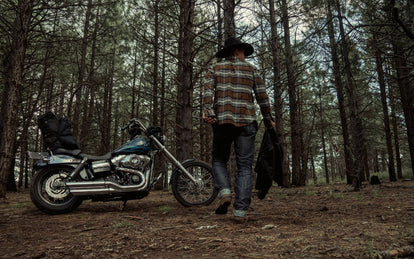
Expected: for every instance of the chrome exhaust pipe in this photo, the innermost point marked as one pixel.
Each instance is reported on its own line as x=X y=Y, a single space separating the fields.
x=102 y=188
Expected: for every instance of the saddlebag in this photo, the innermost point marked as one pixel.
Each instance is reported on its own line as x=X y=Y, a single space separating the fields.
x=56 y=132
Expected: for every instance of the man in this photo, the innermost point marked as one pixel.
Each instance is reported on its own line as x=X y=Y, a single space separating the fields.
x=228 y=105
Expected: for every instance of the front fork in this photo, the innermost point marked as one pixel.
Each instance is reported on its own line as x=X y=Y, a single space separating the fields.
x=173 y=159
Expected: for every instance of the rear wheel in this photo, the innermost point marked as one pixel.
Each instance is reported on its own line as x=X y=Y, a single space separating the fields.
x=189 y=193
x=49 y=191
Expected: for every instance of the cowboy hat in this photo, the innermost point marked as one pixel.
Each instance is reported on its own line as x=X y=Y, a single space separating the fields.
x=231 y=44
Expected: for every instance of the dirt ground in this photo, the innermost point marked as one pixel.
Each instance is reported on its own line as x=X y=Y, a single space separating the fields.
x=311 y=222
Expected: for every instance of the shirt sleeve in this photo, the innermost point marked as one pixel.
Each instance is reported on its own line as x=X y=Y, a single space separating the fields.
x=208 y=94
x=261 y=96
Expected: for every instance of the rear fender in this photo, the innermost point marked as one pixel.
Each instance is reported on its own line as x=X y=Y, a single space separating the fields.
x=184 y=163
x=57 y=160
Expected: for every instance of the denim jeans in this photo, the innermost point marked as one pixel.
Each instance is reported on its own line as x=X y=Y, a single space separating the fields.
x=244 y=140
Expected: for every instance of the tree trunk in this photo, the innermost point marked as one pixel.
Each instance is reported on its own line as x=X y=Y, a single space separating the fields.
x=381 y=81
x=116 y=123
x=89 y=100
x=46 y=65
x=23 y=151
x=134 y=93
x=404 y=79
x=332 y=163
x=305 y=142
x=12 y=91
x=314 y=177
x=161 y=159
x=219 y=25
x=340 y=94
x=11 y=180
x=184 y=118
x=277 y=90
x=356 y=123
x=159 y=166
x=155 y=112
x=395 y=133
x=407 y=98
x=81 y=74
x=229 y=25
x=298 y=178
x=107 y=108
x=322 y=123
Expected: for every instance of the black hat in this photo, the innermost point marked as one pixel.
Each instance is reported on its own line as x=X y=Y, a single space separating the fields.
x=231 y=44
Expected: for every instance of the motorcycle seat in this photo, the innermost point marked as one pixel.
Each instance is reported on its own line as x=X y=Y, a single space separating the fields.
x=77 y=153
x=62 y=151
x=96 y=158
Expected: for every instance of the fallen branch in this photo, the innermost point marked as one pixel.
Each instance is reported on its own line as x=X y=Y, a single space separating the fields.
x=405 y=251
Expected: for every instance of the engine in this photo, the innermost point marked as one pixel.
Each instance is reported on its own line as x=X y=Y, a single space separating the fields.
x=131 y=167
x=135 y=162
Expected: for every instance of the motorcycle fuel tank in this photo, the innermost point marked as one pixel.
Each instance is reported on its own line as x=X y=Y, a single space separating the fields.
x=134 y=146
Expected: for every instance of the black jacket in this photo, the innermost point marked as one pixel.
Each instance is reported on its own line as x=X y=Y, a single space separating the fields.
x=56 y=132
x=269 y=163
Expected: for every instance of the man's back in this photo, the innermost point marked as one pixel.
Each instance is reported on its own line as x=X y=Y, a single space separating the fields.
x=231 y=84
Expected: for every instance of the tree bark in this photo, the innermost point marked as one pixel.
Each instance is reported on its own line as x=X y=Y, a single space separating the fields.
x=229 y=25
x=12 y=91
x=395 y=133
x=89 y=101
x=356 y=123
x=340 y=94
x=107 y=108
x=161 y=159
x=322 y=125
x=219 y=25
x=184 y=148
x=277 y=91
x=406 y=93
x=332 y=163
x=314 y=177
x=134 y=93
x=155 y=112
x=404 y=74
x=298 y=178
x=381 y=81
x=81 y=74
x=11 y=180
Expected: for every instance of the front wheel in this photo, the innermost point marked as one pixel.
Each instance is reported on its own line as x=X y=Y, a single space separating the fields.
x=49 y=192
x=189 y=193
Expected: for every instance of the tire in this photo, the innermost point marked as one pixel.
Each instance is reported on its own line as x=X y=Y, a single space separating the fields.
x=194 y=194
x=49 y=192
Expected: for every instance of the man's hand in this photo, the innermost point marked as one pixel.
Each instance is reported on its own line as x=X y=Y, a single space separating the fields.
x=209 y=119
x=270 y=124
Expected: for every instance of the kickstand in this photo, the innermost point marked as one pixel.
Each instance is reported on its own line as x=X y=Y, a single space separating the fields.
x=124 y=205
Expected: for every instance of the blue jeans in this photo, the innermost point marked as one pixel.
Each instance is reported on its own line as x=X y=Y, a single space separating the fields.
x=244 y=140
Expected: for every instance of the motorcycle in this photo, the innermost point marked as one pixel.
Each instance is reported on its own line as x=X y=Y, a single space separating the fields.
x=64 y=178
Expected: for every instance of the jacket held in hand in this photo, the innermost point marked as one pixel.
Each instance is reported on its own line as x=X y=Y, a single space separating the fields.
x=269 y=163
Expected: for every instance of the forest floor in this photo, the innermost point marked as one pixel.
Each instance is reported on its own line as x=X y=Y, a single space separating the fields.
x=329 y=221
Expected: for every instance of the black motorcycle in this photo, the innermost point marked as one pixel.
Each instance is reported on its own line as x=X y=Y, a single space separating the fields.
x=65 y=177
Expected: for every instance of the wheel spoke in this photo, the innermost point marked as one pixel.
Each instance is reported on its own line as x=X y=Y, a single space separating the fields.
x=53 y=189
x=195 y=193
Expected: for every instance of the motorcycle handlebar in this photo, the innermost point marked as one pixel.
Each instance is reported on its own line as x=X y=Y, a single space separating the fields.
x=134 y=122
x=136 y=127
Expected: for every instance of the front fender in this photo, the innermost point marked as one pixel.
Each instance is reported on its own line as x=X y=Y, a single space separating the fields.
x=183 y=163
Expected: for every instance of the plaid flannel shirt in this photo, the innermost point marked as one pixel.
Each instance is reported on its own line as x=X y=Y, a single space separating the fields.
x=228 y=93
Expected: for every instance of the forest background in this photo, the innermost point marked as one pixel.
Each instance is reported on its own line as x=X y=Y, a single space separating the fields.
x=339 y=74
